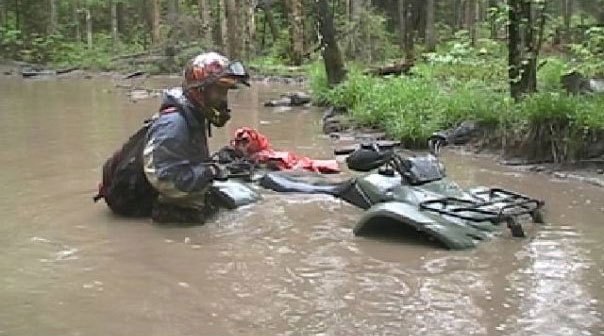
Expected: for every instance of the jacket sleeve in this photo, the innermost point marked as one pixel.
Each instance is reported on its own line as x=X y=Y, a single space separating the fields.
x=167 y=165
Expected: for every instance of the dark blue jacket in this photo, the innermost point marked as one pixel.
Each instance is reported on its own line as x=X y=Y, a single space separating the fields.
x=177 y=148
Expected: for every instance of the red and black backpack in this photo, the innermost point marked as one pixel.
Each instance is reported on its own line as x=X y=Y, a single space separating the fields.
x=125 y=187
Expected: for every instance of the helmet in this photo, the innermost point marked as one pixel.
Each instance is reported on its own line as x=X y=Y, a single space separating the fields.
x=212 y=70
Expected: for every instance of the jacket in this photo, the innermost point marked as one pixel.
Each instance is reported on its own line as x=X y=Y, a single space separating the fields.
x=176 y=150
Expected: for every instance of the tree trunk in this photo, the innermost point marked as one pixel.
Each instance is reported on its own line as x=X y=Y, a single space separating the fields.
x=88 y=28
x=470 y=20
x=296 y=31
x=492 y=22
x=53 y=24
x=568 y=14
x=269 y=18
x=529 y=62
x=172 y=10
x=514 y=48
x=114 y=27
x=419 y=18
x=233 y=34
x=247 y=24
x=2 y=13
x=430 y=33
x=76 y=21
x=406 y=29
x=334 y=66
x=122 y=15
x=203 y=7
x=459 y=13
x=155 y=19
x=402 y=19
x=251 y=27
x=222 y=18
x=17 y=16
x=522 y=48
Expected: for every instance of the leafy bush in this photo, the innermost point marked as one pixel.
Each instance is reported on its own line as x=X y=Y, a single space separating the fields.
x=590 y=54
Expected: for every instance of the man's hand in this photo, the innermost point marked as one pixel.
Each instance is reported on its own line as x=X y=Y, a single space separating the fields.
x=219 y=173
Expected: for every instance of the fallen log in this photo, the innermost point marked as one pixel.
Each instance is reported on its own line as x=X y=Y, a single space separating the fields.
x=394 y=69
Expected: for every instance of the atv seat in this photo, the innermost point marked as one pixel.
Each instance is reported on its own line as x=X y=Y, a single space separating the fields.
x=313 y=183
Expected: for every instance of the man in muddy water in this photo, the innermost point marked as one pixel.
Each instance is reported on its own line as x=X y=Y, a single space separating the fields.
x=176 y=155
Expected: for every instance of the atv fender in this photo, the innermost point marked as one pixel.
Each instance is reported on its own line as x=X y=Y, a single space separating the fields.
x=452 y=234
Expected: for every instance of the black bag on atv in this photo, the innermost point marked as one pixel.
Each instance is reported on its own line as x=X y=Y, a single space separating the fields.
x=125 y=187
x=418 y=170
x=365 y=160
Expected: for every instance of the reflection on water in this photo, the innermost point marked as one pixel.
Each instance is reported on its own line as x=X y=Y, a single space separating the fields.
x=287 y=266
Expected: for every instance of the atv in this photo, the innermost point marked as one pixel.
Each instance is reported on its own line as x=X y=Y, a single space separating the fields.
x=407 y=191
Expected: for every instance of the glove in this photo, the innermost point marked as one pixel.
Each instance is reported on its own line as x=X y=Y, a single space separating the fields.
x=218 y=173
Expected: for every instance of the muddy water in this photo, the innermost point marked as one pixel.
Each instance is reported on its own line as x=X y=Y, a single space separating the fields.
x=287 y=266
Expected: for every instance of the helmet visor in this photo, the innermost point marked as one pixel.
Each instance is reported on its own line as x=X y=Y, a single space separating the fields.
x=237 y=70
x=234 y=73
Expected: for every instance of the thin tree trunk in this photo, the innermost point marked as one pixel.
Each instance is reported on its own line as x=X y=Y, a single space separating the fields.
x=2 y=13
x=53 y=24
x=76 y=21
x=172 y=10
x=88 y=28
x=334 y=66
x=492 y=22
x=114 y=27
x=419 y=16
x=568 y=14
x=470 y=20
x=430 y=33
x=122 y=25
x=233 y=47
x=514 y=48
x=155 y=19
x=529 y=64
x=222 y=18
x=268 y=16
x=17 y=16
x=204 y=15
x=406 y=28
x=296 y=31
x=459 y=13
x=356 y=7
x=402 y=19
x=251 y=27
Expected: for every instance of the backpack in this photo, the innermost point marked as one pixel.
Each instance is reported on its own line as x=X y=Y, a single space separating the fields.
x=125 y=187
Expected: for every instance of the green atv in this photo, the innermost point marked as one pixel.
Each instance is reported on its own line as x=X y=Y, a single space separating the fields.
x=410 y=192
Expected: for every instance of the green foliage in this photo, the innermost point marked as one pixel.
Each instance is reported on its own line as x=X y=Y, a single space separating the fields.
x=548 y=77
x=58 y=50
x=590 y=54
x=412 y=108
x=459 y=60
x=367 y=38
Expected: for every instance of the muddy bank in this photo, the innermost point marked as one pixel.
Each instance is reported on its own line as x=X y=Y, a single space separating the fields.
x=473 y=138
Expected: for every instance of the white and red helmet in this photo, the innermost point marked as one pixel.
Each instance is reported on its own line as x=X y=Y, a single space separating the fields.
x=213 y=69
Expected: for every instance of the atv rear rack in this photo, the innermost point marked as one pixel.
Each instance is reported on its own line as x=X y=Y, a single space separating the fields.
x=495 y=205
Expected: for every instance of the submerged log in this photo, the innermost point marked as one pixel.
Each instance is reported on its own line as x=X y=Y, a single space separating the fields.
x=33 y=73
x=290 y=99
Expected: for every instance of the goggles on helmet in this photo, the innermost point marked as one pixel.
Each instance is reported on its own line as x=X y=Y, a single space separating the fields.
x=232 y=75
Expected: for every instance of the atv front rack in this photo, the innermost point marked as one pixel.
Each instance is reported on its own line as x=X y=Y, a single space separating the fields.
x=495 y=205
